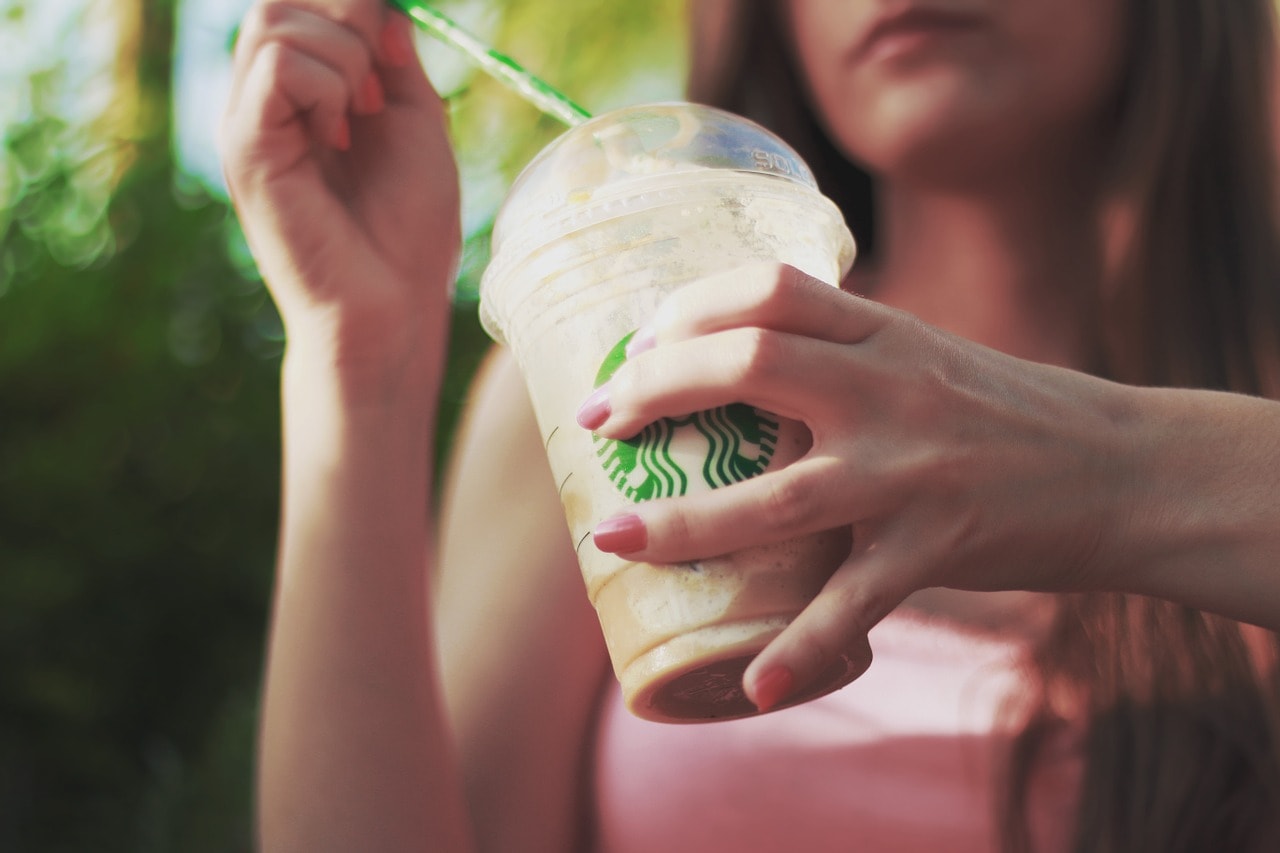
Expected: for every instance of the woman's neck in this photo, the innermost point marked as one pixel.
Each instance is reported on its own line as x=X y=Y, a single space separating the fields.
x=1005 y=269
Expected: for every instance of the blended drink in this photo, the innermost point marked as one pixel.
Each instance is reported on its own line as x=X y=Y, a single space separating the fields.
x=607 y=221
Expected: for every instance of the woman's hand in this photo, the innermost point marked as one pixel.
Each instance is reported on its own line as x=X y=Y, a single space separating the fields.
x=956 y=466
x=336 y=153
x=335 y=150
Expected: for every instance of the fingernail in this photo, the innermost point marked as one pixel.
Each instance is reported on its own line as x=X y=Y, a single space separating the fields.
x=621 y=534
x=773 y=687
x=342 y=135
x=595 y=410
x=643 y=339
x=372 y=99
x=397 y=41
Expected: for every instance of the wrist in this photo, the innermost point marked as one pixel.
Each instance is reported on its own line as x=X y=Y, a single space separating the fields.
x=394 y=360
x=1113 y=448
x=358 y=465
x=1203 y=523
x=375 y=413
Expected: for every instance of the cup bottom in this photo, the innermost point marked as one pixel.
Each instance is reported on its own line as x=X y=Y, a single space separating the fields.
x=676 y=682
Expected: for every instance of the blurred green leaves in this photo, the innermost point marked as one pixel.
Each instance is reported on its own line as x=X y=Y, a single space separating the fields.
x=139 y=433
x=65 y=115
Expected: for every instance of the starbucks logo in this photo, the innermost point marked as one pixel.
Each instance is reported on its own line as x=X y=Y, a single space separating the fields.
x=715 y=447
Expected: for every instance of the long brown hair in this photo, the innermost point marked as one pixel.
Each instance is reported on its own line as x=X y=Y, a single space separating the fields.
x=1180 y=709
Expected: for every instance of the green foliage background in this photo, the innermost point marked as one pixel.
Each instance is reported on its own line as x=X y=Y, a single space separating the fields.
x=139 y=449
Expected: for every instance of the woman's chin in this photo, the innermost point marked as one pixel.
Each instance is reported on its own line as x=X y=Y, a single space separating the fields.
x=939 y=148
x=929 y=122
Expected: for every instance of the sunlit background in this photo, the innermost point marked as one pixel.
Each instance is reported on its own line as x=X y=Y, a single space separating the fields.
x=139 y=358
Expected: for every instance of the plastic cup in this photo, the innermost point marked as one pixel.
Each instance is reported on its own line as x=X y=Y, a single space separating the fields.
x=605 y=222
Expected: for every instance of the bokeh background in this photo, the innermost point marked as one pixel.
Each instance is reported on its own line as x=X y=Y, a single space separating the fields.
x=139 y=362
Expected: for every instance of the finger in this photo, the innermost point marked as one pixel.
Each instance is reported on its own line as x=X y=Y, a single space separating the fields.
x=810 y=495
x=345 y=43
x=826 y=645
x=289 y=100
x=772 y=370
x=767 y=295
x=402 y=74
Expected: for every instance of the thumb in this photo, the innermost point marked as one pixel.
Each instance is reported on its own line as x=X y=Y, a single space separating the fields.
x=826 y=646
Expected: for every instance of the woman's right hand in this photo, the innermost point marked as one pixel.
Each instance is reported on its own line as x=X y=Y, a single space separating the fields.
x=336 y=153
x=337 y=156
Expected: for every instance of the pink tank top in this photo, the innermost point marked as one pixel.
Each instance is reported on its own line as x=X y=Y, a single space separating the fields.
x=903 y=759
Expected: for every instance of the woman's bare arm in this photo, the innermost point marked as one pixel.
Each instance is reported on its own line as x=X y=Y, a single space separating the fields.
x=337 y=157
x=355 y=751
x=1204 y=526
x=522 y=653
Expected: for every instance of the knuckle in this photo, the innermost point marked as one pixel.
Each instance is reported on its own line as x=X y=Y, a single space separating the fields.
x=862 y=606
x=676 y=532
x=851 y=610
x=631 y=393
x=352 y=16
x=756 y=356
x=271 y=25
x=791 y=504
x=359 y=19
x=258 y=28
x=891 y=329
x=674 y=313
x=277 y=59
x=835 y=630
x=771 y=286
x=895 y=332
x=780 y=281
x=628 y=381
x=269 y=22
x=809 y=647
x=269 y=16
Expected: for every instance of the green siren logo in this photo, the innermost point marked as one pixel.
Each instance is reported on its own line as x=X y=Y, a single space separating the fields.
x=719 y=446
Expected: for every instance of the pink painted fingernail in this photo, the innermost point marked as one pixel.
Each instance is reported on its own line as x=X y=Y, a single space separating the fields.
x=342 y=135
x=595 y=410
x=773 y=687
x=643 y=339
x=397 y=42
x=621 y=534
x=372 y=99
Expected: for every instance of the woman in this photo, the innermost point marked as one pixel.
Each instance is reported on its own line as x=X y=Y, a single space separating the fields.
x=1062 y=192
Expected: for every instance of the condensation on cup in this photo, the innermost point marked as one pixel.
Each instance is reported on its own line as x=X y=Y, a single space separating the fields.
x=604 y=223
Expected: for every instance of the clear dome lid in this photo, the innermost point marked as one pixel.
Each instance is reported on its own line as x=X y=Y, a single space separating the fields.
x=616 y=152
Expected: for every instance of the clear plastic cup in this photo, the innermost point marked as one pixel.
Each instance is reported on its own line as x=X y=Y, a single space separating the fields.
x=604 y=223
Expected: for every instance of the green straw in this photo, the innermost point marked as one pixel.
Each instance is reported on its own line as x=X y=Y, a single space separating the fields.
x=503 y=68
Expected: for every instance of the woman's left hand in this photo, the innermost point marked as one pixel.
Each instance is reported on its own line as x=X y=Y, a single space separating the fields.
x=956 y=465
